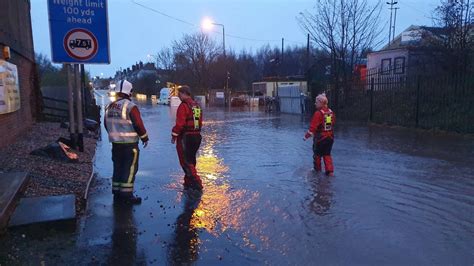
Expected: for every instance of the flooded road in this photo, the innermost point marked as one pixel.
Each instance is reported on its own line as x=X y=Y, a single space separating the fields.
x=398 y=197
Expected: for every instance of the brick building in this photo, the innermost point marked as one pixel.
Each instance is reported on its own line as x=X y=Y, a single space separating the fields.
x=16 y=33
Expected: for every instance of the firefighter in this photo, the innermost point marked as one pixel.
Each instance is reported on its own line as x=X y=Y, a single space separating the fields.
x=322 y=131
x=187 y=136
x=124 y=124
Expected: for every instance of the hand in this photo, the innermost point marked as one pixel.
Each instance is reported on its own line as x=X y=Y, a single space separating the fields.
x=307 y=136
x=173 y=140
x=145 y=143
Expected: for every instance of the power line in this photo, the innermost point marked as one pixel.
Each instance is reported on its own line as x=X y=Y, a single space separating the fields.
x=195 y=26
x=424 y=12
x=164 y=14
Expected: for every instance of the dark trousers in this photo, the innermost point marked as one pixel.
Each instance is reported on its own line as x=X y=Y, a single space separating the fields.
x=125 y=158
x=187 y=146
x=322 y=149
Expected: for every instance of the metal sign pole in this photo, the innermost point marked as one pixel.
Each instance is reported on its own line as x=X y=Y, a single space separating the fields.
x=78 y=94
x=72 y=126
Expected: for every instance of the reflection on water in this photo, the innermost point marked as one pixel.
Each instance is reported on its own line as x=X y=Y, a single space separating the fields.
x=322 y=194
x=124 y=236
x=220 y=207
x=184 y=248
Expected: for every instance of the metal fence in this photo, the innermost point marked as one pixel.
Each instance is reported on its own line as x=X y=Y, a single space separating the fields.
x=441 y=101
x=290 y=100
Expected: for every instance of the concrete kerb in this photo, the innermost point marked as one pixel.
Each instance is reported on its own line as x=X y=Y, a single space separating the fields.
x=89 y=182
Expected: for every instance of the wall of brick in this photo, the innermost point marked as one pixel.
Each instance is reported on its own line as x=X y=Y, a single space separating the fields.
x=16 y=32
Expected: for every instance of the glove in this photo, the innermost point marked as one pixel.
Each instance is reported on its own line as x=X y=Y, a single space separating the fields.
x=173 y=139
x=307 y=135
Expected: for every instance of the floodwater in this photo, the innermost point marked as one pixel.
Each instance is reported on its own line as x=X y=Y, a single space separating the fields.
x=398 y=197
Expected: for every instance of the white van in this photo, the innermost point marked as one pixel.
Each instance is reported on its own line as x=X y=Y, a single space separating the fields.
x=164 y=96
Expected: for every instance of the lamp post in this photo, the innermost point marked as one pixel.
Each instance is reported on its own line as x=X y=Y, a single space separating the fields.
x=207 y=24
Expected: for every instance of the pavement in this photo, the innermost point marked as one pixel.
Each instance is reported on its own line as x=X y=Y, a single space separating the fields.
x=12 y=185
x=55 y=211
x=398 y=197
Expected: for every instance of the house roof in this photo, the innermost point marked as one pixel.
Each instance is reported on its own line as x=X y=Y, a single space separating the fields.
x=414 y=37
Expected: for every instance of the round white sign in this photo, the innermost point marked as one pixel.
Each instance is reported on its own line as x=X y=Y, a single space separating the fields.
x=80 y=44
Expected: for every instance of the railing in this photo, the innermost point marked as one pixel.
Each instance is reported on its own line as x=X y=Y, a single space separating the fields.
x=432 y=101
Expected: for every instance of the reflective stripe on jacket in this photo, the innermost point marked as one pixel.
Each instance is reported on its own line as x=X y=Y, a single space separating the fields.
x=118 y=122
x=322 y=124
x=328 y=120
x=188 y=118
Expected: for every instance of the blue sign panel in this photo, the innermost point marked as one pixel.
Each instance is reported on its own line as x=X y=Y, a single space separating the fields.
x=79 y=31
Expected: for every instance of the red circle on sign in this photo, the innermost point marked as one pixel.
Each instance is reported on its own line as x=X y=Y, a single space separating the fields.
x=93 y=40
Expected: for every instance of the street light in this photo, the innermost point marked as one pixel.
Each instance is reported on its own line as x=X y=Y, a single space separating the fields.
x=207 y=24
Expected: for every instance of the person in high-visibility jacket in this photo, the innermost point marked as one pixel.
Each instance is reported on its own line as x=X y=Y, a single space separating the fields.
x=125 y=127
x=322 y=130
x=187 y=136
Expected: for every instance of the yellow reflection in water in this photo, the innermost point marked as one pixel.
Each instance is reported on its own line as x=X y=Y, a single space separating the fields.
x=221 y=207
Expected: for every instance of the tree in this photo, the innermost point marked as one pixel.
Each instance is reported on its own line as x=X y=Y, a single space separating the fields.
x=165 y=59
x=456 y=40
x=193 y=55
x=49 y=74
x=344 y=29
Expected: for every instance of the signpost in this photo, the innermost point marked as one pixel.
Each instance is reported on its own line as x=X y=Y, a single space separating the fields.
x=79 y=31
x=79 y=35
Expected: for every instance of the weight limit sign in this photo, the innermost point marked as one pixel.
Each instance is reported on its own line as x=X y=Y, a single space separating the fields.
x=81 y=44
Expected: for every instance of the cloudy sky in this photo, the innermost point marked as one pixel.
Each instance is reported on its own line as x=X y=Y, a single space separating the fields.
x=136 y=31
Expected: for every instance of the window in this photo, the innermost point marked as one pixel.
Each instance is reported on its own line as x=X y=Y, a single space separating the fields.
x=399 y=65
x=386 y=66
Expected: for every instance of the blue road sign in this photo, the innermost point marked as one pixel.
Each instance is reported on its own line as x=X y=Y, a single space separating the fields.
x=79 y=31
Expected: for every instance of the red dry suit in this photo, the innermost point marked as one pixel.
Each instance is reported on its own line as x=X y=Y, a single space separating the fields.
x=187 y=132
x=322 y=129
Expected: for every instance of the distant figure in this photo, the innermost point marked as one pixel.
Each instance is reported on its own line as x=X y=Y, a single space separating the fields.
x=303 y=103
x=187 y=136
x=124 y=124
x=321 y=129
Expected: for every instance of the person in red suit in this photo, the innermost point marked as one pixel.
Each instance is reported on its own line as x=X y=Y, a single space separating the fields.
x=322 y=131
x=187 y=136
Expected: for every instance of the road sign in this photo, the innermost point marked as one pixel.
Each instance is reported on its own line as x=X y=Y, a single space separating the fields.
x=79 y=31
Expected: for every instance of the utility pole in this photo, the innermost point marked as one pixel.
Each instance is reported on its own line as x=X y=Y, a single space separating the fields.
x=394 y=22
x=307 y=54
x=282 y=52
x=391 y=8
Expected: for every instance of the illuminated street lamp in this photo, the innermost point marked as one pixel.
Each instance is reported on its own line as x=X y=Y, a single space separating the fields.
x=207 y=24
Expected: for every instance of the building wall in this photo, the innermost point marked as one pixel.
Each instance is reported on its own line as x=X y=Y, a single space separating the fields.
x=271 y=86
x=374 y=60
x=16 y=32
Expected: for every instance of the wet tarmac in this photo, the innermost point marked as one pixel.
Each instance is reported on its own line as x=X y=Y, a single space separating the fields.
x=398 y=197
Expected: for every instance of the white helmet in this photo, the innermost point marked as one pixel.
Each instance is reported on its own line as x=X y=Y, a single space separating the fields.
x=124 y=87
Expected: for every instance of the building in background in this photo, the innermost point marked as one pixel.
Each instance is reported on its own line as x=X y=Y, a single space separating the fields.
x=415 y=47
x=268 y=87
x=16 y=35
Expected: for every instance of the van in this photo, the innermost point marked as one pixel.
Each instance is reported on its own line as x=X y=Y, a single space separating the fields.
x=164 y=96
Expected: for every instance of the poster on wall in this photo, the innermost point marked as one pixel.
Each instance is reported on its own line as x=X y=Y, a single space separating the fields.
x=9 y=88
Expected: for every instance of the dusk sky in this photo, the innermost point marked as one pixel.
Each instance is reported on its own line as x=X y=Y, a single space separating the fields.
x=136 y=31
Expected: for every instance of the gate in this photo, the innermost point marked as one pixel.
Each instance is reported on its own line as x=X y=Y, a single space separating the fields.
x=291 y=100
